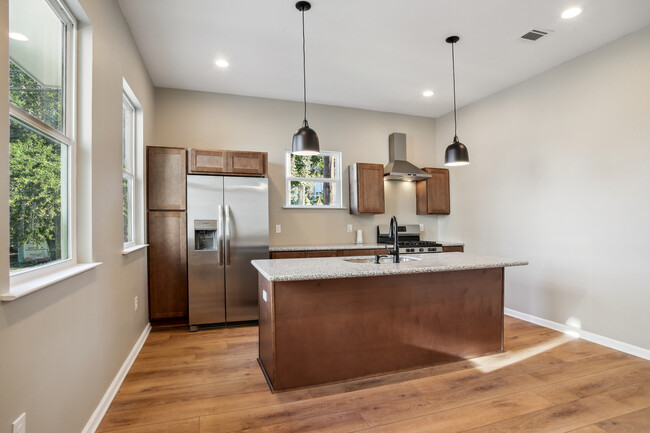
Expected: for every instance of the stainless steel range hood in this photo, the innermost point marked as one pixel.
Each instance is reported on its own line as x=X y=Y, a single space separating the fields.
x=399 y=168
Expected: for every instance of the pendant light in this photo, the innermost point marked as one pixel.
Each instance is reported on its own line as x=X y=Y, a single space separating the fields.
x=456 y=153
x=305 y=140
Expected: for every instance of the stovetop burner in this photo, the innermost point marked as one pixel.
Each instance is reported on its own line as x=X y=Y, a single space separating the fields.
x=419 y=244
x=409 y=240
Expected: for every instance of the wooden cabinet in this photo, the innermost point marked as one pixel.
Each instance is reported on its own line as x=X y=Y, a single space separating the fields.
x=348 y=253
x=288 y=255
x=208 y=161
x=366 y=188
x=228 y=162
x=453 y=249
x=167 y=265
x=432 y=195
x=166 y=178
x=250 y=163
x=166 y=232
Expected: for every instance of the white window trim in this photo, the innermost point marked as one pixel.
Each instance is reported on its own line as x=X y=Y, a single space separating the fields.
x=137 y=165
x=67 y=137
x=129 y=171
x=24 y=282
x=337 y=180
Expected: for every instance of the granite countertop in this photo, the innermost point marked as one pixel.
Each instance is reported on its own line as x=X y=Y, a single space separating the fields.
x=338 y=267
x=276 y=249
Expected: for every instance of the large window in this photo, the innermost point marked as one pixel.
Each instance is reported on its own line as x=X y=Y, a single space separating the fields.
x=313 y=181
x=41 y=83
x=128 y=167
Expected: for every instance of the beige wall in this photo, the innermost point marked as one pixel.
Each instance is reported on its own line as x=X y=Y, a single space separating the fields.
x=560 y=176
x=218 y=121
x=61 y=347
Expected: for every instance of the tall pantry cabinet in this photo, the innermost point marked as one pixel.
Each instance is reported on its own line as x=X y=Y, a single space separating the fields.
x=166 y=222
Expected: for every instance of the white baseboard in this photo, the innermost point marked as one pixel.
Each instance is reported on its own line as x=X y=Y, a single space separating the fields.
x=100 y=411
x=585 y=335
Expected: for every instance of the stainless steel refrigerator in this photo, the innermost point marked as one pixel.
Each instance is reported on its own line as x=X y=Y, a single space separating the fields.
x=227 y=227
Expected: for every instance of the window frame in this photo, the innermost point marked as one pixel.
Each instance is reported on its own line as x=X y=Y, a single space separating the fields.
x=129 y=173
x=337 y=179
x=66 y=137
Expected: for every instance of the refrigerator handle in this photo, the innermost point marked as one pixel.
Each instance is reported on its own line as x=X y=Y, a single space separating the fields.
x=220 y=236
x=227 y=248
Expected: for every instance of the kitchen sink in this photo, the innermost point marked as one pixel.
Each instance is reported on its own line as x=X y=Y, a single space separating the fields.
x=381 y=259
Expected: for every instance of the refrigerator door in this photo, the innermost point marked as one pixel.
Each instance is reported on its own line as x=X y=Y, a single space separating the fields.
x=205 y=237
x=246 y=209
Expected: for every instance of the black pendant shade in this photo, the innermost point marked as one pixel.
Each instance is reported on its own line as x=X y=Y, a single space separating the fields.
x=305 y=140
x=456 y=153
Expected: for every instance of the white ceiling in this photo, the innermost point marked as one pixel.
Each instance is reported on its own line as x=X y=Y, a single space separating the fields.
x=371 y=54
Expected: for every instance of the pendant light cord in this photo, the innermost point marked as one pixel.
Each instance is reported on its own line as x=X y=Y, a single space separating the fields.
x=453 y=68
x=304 y=69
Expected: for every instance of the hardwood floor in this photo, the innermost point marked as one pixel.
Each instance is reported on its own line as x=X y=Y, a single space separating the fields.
x=209 y=381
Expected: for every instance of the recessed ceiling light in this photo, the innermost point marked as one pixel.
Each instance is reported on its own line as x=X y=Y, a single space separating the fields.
x=571 y=13
x=222 y=63
x=427 y=93
x=18 y=37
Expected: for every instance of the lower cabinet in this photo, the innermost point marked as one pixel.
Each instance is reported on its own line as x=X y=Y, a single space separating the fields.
x=167 y=264
x=453 y=249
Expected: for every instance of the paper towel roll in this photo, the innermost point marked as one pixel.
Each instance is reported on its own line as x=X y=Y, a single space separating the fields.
x=359 y=238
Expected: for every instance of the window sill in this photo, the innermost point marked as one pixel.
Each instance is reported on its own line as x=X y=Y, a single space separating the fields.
x=315 y=207
x=33 y=285
x=132 y=248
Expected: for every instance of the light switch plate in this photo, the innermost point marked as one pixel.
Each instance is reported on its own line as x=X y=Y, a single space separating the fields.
x=278 y=228
x=421 y=227
x=349 y=228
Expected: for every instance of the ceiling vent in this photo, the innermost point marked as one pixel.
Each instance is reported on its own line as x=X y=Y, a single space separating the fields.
x=535 y=35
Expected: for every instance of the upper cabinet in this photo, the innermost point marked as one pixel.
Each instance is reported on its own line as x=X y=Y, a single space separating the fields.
x=432 y=195
x=166 y=177
x=228 y=162
x=366 y=188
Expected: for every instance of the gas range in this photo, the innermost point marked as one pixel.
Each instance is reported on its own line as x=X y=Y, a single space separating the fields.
x=409 y=239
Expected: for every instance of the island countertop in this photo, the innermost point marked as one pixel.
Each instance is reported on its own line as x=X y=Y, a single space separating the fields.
x=338 y=267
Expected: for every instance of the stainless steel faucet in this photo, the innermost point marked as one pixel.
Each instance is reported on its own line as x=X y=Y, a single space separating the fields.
x=392 y=233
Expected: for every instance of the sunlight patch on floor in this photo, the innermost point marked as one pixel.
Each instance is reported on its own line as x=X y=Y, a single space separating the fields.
x=487 y=364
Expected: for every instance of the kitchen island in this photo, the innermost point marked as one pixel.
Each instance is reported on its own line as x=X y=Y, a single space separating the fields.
x=325 y=320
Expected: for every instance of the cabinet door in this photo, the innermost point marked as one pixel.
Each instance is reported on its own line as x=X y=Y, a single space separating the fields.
x=250 y=163
x=349 y=253
x=166 y=177
x=321 y=253
x=167 y=265
x=432 y=195
x=208 y=161
x=366 y=188
x=453 y=249
x=288 y=255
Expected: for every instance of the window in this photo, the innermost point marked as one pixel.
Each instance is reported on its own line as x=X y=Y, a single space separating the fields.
x=313 y=181
x=128 y=176
x=41 y=84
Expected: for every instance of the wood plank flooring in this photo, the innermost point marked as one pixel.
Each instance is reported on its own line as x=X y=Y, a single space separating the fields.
x=209 y=381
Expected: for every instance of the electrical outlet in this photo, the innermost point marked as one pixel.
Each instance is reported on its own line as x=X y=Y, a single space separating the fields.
x=20 y=425
x=421 y=227
x=349 y=228
x=136 y=305
x=278 y=228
